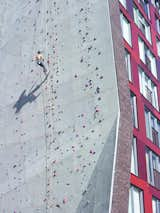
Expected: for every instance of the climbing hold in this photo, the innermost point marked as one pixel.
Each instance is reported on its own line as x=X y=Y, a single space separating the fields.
x=89 y=48
x=64 y=200
x=98 y=90
x=81 y=60
x=83 y=193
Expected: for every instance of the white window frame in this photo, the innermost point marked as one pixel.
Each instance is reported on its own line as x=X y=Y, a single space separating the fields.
x=156 y=5
x=128 y=64
x=158 y=46
x=132 y=206
x=145 y=3
x=146 y=55
x=158 y=25
x=142 y=23
x=134 y=110
x=155 y=205
x=141 y=49
x=126 y=29
x=134 y=161
x=123 y=2
x=151 y=165
x=146 y=84
x=153 y=122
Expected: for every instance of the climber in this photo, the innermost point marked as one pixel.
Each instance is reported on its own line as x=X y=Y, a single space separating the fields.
x=40 y=61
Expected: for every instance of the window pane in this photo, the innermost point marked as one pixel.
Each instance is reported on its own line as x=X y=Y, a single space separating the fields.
x=153 y=65
x=158 y=25
x=134 y=166
x=123 y=2
x=148 y=33
x=141 y=50
x=134 y=110
x=145 y=5
x=142 y=23
x=158 y=47
x=147 y=57
x=154 y=206
x=149 y=169
x=153 y=168
x=152 y=127
x=130 y=202
x=126 y=30
x=158 y=206
x=128 y=64
x=148 y=88
x=135 y=200
x=147 y=121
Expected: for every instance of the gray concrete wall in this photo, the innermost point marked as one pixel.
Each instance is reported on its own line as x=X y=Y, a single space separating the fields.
x=57 y=133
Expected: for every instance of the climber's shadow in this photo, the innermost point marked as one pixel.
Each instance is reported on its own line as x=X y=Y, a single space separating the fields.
x=25 y=98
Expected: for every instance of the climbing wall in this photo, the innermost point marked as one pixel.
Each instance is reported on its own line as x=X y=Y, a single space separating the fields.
x=57 y=132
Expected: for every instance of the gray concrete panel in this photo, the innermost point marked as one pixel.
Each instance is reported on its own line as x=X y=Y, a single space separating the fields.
x=96 y=197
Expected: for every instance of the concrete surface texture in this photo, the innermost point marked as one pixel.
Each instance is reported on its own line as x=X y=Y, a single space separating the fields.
x=57 y=132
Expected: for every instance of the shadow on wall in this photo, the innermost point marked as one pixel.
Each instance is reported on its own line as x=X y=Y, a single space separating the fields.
x=27 y=98
x=97 y=195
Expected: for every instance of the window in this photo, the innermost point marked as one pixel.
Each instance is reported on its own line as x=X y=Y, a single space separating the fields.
x=152 y=127
x=128 y=64
x=126 y=29
x=148 y=88
x=142 y=23
x=156 y=4
x=158 y=25
x=155 y=205
x=135 y=200
x=147 y=57
x=145 y=5
x=158 y=46
x=134 y=164
x=153 y=168
x=134 y=110
x=123 y=2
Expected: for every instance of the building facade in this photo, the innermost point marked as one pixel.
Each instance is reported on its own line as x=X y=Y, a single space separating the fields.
x=140 y=28
x=86 y=138
x=65 y=139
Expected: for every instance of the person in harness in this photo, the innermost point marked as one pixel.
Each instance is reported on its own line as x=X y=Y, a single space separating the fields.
x=40 y=61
